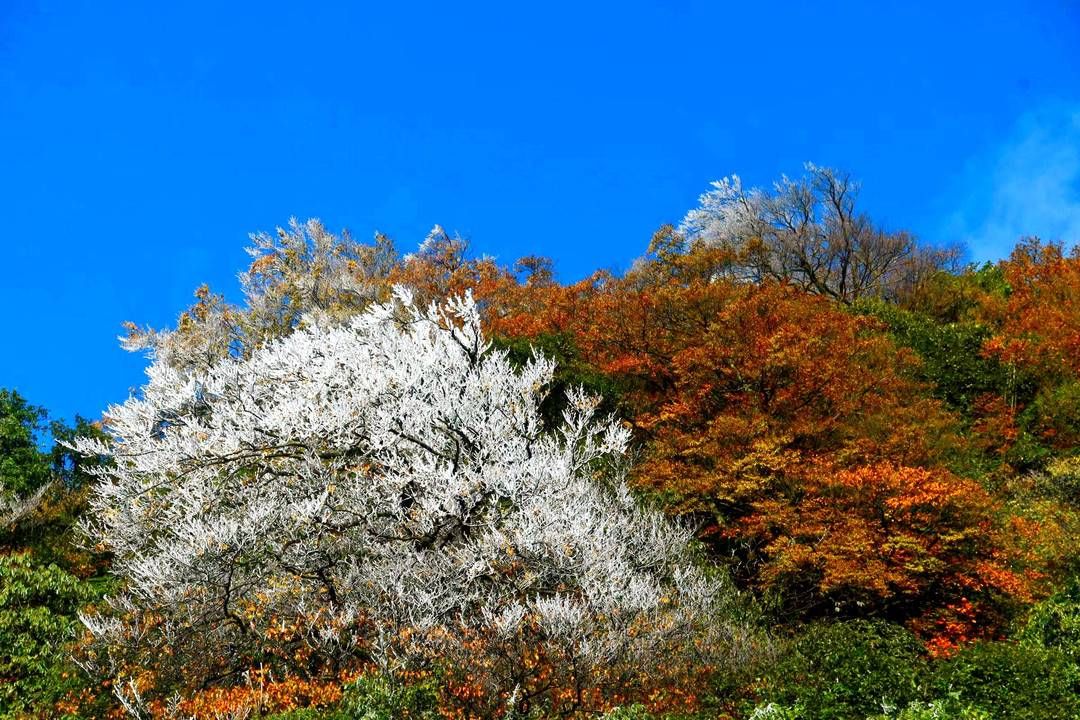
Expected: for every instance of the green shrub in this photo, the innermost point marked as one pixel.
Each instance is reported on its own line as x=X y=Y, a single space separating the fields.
x=304 y=714
x=38 y=606
x=1061 y=480
x=630 y=712
x=1055 y=622
x=1027 y=453
x=950 y=709
x=375 y=697
x=378 y=698
x=772 y=711
x=1054 y=415
x=1016 y=681
x=848 y=670
x=639 y=712
x=937 y=710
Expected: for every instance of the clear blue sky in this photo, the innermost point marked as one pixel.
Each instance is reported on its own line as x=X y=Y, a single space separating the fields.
x=140 y=142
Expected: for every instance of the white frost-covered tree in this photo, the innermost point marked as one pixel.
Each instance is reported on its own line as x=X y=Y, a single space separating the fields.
x=807 y=231
x=386 y=486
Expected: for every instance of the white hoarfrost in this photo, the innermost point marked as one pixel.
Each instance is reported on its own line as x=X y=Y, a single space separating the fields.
x=725 y=215
x=388 y=473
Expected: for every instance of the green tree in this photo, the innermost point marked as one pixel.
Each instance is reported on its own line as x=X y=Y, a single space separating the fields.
x=23 y=466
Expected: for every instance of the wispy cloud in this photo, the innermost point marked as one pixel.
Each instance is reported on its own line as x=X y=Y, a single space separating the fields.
x=1027 y=185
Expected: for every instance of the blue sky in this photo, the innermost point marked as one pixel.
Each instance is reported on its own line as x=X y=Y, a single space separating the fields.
x=141 y=142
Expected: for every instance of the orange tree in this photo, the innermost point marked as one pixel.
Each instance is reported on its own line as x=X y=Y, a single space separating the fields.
x=1040 y=322
x=797 y=434
x=1038 y=332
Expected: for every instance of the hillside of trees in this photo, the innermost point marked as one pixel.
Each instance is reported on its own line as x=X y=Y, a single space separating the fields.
x=790 y=465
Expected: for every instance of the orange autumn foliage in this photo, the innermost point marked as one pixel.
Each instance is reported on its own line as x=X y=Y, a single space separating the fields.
x=260 y=694
x=473 y=677
x=441 y=268
x=794 y=431
x=906 y=540
x=1039 y=324
x=776 y=379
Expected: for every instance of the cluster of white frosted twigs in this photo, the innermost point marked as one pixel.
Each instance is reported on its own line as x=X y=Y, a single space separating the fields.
x=14 y=507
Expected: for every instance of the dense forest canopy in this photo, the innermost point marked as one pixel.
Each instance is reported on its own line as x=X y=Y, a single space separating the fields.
x=790 y=464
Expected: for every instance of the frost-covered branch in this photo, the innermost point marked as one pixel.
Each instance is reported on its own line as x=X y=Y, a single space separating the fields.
x=14 y=507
